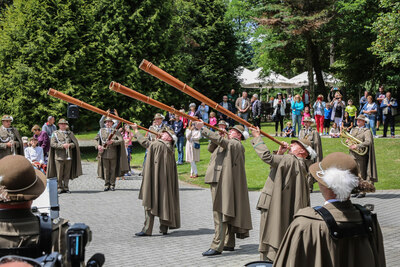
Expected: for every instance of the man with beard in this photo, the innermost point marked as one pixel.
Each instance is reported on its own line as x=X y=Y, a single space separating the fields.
x=226 y=175
x=159 y=190
x=284 y=192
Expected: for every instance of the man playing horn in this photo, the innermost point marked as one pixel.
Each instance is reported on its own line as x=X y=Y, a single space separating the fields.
x=64 y=157
x=366 y=163
x=10 y=140
x=226 y=175
x=312 y=135
x=338 y=233
x=160 y=190
x=113 y=161
x=284 y=192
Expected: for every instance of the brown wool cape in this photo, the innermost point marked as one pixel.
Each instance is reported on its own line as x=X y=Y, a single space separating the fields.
x=228 y=170
x=122 y=160
x=315 y=140
x=284 y=193
x=76 y=167
x=367 y=161
x=307 y=241
x=159 y=191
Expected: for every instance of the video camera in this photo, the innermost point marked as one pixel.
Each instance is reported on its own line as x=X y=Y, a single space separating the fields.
x=78 y=237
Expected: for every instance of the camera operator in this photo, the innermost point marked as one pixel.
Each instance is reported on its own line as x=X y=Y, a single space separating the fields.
x=22 y=232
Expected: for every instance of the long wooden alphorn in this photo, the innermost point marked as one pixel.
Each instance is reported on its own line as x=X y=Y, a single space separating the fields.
x=117 y=87
x=164 y=76
x=84 y=105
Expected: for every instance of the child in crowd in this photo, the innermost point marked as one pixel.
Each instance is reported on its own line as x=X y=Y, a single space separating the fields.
x=347 y=123
x=334 y=132
x=306 y=113
x=288 y=131
x=351 y=109
x=213 y=119
x=327 y=118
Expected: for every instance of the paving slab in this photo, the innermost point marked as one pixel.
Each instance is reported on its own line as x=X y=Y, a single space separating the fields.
x=114 y=218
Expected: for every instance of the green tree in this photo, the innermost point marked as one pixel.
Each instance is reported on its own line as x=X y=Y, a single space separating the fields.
x=297 y=23
x=209 y=52
x=78 y=47
x=387 y=29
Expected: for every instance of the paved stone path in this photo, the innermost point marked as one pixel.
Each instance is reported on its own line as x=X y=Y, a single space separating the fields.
x=114 y=217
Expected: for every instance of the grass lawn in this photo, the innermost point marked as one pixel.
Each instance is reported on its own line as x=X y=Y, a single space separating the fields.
x=387 y=154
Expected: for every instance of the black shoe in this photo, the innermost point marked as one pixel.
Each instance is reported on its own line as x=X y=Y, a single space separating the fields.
x=229 y=249
x=112 y=188
x=361 y=195
x=211 y=252
x=106 y=188
x=60 y=191
x=141 y=234
x=354 y=195
x=67 y=191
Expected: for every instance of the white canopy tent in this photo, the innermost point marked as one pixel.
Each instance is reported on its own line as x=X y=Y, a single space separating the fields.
x=253 y=79
x=302 y=79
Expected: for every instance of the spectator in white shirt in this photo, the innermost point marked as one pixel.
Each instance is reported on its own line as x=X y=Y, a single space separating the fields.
x=34 y=153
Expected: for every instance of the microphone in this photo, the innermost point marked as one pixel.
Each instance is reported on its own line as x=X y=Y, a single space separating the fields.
x=97 y=260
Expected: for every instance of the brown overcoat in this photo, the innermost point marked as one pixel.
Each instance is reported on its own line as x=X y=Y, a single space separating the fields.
x=366 y=163
x=284 y=193
x=313 y=136
x=76 y=167
x=5 y=135
x=160 y=186
x=227 y=168
x=307 y=241
x=122 y=160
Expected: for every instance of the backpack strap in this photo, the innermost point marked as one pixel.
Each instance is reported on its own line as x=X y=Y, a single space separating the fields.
x=46 y=228
x=345 y=230
x=334 y=230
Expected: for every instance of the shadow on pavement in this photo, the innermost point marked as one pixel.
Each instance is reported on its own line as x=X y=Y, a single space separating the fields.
x=191 y=189
x=247 y=249
x=383 y=196
x=200 y=231
x=101 y=191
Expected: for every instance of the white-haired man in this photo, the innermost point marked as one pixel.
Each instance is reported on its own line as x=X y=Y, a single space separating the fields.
x=159 y=190
x=338 y=233
x=285 y=191
x=256 y=110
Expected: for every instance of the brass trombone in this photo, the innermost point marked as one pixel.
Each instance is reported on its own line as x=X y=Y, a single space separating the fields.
x=351 y=140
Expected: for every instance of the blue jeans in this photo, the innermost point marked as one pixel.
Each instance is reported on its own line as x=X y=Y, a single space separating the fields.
x=179 y=146
x=371 y=124
x=244 y=116
x=296 y=119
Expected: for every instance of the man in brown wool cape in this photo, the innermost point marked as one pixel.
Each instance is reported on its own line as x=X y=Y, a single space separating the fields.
x=339 y=233
x=226 y=175
x=285 y=191
x=159 y=190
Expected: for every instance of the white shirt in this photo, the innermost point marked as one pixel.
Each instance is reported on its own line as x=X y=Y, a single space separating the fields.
x=34 y=154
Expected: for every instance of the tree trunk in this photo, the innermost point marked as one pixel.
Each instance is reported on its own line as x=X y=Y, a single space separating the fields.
x=320 y=88
x=332 y=52
x=310 y=67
